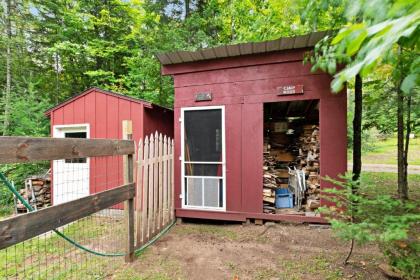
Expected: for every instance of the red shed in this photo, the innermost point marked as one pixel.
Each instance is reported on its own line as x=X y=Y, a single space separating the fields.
x=255 y=130
x=98 y=113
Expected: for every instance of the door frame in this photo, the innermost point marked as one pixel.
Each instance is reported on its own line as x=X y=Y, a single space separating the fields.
x=223 y=162
x=58 y=131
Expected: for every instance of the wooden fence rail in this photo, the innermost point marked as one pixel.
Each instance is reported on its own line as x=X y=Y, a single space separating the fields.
x=24 y=227
x=155 y=186
x=26 y=149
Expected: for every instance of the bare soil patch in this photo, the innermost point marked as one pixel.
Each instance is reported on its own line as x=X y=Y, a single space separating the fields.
x=236 y=251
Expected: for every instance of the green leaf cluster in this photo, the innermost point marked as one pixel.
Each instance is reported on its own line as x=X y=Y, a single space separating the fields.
x=378 y=28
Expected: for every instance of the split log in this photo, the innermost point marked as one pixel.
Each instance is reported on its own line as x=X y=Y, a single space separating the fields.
x=312 y=204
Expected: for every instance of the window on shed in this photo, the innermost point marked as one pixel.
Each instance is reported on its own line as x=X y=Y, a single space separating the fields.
x=75 y=135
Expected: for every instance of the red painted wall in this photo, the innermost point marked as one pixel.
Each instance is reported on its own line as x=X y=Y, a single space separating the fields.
x=243 y=84
x=159 y=119
x=105 y=113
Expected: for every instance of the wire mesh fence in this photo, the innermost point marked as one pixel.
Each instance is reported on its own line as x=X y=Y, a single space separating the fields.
x=49 y=256
x=77 y=216
x=93 y=246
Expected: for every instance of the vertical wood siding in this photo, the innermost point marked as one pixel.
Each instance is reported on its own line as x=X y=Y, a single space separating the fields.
x=243 y=85
x=105 y=113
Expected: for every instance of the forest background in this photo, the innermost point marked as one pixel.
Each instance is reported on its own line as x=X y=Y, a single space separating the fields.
x=53 y=49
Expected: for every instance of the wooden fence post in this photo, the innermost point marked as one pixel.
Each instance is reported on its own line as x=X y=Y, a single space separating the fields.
x=160 y=159
x=151 y=176
x=156 y=184
x=165 y=181
x=171 y=187
x=140 y=194
x=128 y=204
x=145 y=204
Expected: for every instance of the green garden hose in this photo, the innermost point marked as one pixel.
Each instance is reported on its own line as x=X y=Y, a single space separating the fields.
x=74 y=243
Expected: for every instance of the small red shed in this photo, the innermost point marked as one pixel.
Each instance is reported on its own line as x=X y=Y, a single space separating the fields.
x=98 y=113
x=255 y=131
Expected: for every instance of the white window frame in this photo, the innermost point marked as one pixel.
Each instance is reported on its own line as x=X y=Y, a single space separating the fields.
x=59 y=130
x=183 y=162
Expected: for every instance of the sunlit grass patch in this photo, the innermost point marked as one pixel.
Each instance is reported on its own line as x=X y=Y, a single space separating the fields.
x=385 y=152
x=384 y=183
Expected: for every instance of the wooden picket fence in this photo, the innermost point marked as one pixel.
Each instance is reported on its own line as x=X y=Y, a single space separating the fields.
x=155 y=187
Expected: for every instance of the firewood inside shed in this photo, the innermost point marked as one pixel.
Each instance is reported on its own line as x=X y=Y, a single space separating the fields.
x=291 y=142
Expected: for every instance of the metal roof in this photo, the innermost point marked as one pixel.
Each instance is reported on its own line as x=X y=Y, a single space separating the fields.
x=108 y=92
x=284 y=43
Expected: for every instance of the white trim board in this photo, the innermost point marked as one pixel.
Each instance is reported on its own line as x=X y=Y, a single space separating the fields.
x=183 y=162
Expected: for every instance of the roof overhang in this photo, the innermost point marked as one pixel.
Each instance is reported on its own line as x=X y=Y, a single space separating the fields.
x=284 y=43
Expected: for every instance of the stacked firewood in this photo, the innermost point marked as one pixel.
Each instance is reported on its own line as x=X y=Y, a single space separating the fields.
x=37 y=192
x=276 y=161
x=309 y=161
x=300 y=150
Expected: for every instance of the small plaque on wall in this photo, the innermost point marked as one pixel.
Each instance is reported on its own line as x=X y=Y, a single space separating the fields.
x=203 y=96
x=290 y=89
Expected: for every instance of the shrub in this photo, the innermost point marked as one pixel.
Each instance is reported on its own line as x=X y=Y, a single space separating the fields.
x=383 y=220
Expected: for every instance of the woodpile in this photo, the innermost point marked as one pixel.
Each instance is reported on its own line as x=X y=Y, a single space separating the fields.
x=309 y=161
x=276 y=162
x=296 y=147
x=37 y=191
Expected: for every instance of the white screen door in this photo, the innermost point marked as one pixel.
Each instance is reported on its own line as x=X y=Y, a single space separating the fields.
x=203 y=158
x=70 y=176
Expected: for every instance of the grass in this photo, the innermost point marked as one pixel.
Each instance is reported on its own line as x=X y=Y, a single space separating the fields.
x=288 y=269
x=212 y=230
x=149 y=266
x=385 y=152
x=374 y=183
x=49 y=256
x=5 y=211
x=320 y=265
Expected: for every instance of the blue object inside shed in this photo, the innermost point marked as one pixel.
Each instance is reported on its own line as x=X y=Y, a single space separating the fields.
x=284 y=198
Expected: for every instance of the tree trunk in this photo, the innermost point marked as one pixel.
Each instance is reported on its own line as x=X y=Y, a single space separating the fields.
x=57 y=75
x=200 y=6
x=187 y=8
x=357 y=146
x=400 y=145
x=8 y=92
x=404 y=187
x=357 y=128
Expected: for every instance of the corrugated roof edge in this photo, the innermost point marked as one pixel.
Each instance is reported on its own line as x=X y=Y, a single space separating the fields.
x=147 y=104
x=283 y=43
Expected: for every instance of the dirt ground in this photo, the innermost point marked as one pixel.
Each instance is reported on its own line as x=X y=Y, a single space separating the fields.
x=234 y=251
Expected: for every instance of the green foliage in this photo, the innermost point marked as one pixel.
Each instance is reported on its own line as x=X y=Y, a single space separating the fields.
x=372 y=40
x=366 y=35
x=60 y=48
x=381 y=219
x=26 y=118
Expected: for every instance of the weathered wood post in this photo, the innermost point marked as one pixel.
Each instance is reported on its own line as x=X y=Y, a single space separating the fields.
x=156 y=184
x=172 y=182
x=146 y=200
x=128 y=204
x=139 y=194
x=160 y=190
